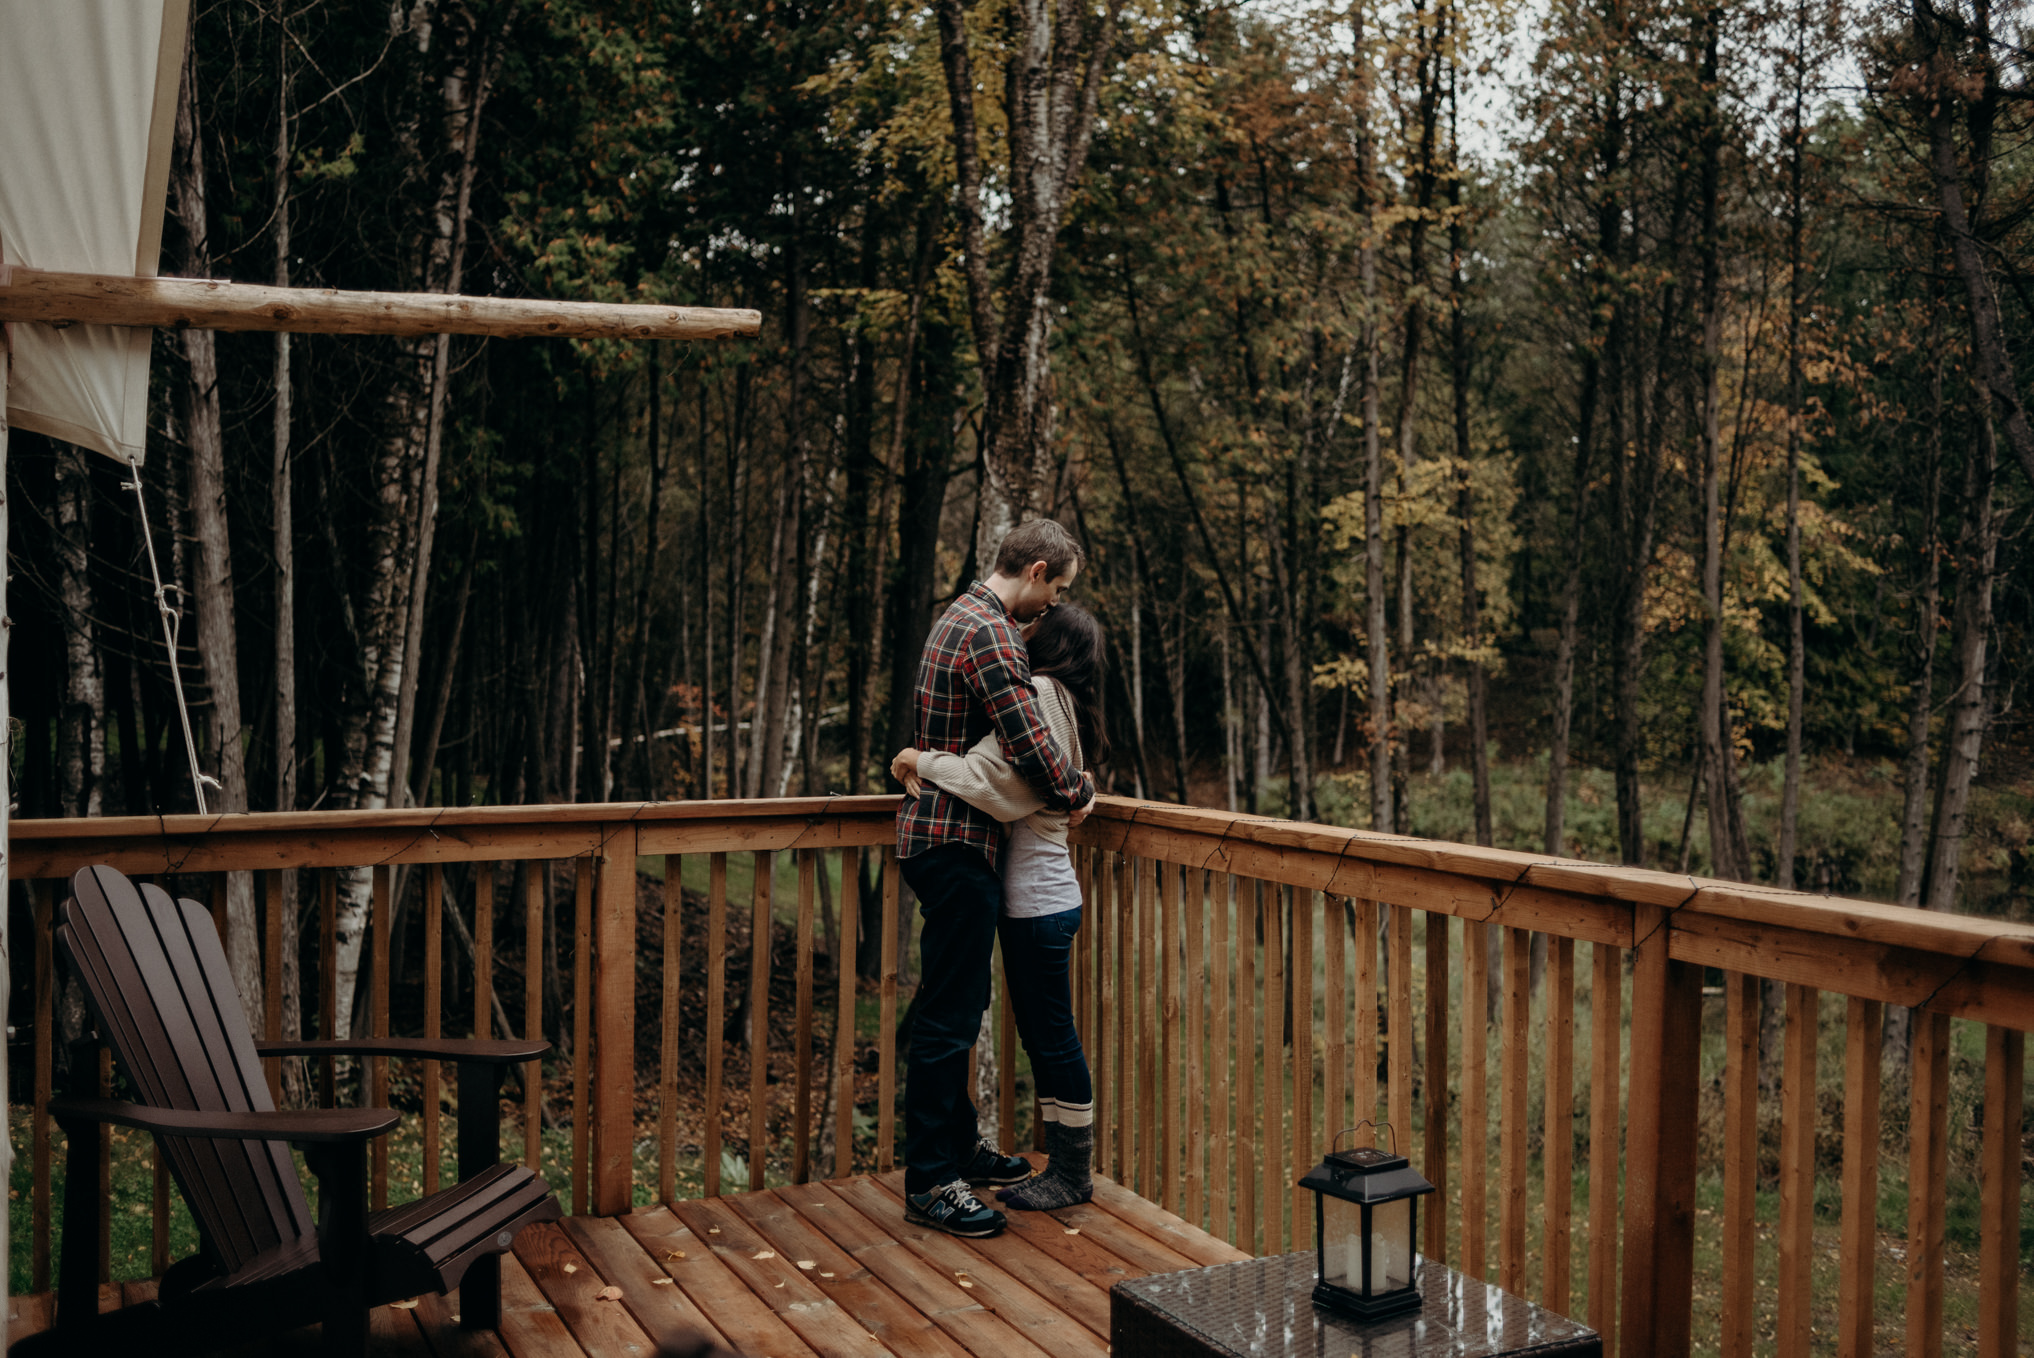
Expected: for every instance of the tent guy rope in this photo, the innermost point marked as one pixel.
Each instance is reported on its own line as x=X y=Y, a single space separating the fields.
x=172 y=624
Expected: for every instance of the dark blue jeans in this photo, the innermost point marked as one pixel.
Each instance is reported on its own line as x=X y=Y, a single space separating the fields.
x=960 y=897
x=1037 y=955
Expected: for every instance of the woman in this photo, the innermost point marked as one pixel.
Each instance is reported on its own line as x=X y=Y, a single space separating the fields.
x=1041 y=895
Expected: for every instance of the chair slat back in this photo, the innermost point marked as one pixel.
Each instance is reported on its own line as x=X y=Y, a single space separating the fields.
x=160 y=988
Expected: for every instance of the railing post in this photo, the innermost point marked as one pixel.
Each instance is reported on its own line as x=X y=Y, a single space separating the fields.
x=1657 y=1315
x=614 y=1051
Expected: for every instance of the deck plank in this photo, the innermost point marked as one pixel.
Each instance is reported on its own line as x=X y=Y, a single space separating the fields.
x=666 y=1314
x=530 y=1326
x=748 y=1324
x=1138 y=1252
x=877 y=1286
x=1026 y=1286
x=810 y=1225
x=1148 y=1217
x=850 y=1314
x=438 y=1319
x=1059 y=1235
x=393 y=1330
x=1026 y=1310
x=570 y=1283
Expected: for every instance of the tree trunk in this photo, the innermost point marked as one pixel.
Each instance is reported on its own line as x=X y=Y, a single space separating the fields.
x=1790 y=793
x=281 y=490
x=218 y=638
x=1992 y=360
x=81 y=728
x=1058 y=58
x=1976 y=552
x=1379 y=654
x=464 y=98
x=1914 y=762
x=1465 y=502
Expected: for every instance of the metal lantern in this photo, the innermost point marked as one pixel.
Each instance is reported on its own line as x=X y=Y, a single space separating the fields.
x=1366 y=1206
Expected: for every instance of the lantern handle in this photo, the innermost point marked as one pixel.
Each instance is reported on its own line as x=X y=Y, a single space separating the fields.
x=1335 y=1145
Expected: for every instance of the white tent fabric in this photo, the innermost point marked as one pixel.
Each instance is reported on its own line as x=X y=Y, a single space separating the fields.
x=88 y=95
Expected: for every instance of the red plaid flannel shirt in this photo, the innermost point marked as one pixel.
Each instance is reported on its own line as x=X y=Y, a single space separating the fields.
x=976 y=675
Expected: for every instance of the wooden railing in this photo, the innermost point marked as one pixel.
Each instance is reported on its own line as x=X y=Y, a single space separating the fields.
x=1241 y=984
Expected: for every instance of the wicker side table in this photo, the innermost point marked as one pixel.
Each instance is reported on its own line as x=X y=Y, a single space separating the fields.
x=1264 y=1307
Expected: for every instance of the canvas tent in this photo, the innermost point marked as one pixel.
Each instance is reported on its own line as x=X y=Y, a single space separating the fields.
x=88 y=92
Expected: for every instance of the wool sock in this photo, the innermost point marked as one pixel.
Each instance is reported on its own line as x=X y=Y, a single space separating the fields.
x=1068 y=1177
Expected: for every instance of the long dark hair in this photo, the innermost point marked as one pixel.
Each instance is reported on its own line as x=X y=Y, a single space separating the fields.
x=1067 y=645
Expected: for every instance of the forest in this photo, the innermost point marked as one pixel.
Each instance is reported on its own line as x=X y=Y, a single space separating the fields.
x=1594 y=428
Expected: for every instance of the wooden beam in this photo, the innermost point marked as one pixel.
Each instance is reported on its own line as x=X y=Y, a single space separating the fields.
x=62 y=299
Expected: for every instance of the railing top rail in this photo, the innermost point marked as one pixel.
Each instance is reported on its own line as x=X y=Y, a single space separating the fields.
x=294 y=839
x=1536 y=890
x=1903 y=956
x=422 y=817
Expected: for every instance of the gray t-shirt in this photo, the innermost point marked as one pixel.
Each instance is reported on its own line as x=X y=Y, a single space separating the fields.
x=1038 y=875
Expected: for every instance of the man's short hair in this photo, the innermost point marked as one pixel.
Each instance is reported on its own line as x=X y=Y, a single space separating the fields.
x=1044 y=540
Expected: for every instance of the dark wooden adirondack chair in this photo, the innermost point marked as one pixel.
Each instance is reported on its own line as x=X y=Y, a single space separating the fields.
x=162 y=998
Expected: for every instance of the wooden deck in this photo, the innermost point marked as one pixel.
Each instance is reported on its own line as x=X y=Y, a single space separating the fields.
x=809 y=1272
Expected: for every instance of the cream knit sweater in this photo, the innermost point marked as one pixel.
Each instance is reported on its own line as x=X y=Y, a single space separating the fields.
x=984 y=779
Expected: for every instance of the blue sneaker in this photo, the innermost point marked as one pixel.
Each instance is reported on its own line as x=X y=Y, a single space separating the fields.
x=952 y=1208
x=989 y=1169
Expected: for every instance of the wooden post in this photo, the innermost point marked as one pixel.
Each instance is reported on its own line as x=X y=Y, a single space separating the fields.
x=1306 y=1151
x=801 y=1122
x=716 y=1019
x=434 y=995
x=886 y=1070
x=1864 y=1035
x=614 y=1038
x=1560 y=1117
x=1927 y=1182
x=1511 y=1122
x=667 y=1055
x=762 y=941
x=1740 y=1160
x=1797 y=1170
x=1606 y=1019
x=582 y=1033
x=1435 y=1168
x=1221 y=970
x=1475 y=1096
x=1659 y=1203
x=534 y=873
x=271 y=966
x=1999 y=1175
x=1243 y=894
x=43 y=897
x=382 y=906
x=844 y=1019
x=328 y=978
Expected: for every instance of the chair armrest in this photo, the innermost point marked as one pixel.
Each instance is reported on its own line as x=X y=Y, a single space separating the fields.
x=312 y=1125
x=498 y=1052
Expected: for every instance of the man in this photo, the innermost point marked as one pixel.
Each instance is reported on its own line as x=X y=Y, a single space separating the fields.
x=975 y=677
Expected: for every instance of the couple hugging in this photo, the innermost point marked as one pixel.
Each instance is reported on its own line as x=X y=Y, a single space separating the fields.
x=1007 y=720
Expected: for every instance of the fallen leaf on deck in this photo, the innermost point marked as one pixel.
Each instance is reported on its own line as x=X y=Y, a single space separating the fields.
x=826 y=1275
x=713 y=1230
x=1073 y=1230
x=455 y=1320
x=409 y=1305
x=965 y=1283
x=674 y=1254
x=571 y=1268
x=660 y=1282
x=765 y=1254
x=608 y=1294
